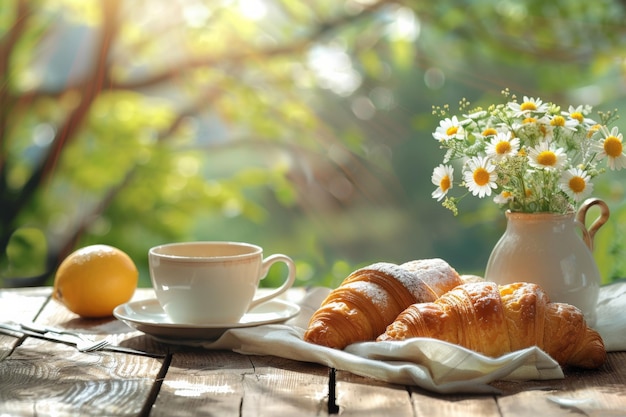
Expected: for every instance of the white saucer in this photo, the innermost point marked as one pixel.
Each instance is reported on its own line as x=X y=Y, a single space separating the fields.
x=148 y=316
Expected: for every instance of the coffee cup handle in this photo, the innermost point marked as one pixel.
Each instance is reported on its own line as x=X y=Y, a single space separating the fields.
x=265 y=267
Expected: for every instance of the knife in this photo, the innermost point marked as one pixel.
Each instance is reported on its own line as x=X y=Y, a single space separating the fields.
x=61 y=336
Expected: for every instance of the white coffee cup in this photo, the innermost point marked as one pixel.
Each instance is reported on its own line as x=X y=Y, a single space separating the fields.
x=212 y=283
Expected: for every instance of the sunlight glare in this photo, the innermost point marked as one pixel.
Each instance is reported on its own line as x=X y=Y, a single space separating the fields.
x=253 y=9
x=333 y=69
x=196 y=14
x=186 y=389
x=404 y=25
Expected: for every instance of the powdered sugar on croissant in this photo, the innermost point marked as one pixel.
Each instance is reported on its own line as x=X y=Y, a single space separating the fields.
x=496 y=320
x=370 y=298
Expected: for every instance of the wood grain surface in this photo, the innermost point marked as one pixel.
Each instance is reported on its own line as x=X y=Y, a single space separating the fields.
x=45 y=378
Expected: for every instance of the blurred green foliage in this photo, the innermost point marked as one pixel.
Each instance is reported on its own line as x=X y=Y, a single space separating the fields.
x=304 y=127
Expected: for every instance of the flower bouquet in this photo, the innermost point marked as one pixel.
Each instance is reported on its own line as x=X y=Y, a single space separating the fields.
x=532 y=156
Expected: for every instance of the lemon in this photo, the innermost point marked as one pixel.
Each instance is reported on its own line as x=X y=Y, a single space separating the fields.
x=95 y=279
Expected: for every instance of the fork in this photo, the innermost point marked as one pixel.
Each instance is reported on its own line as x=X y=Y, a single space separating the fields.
x=83 y=343
x=41 y=333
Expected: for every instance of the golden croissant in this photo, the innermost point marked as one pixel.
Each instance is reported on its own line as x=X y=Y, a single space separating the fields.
x=370 y=298
x=495 y=320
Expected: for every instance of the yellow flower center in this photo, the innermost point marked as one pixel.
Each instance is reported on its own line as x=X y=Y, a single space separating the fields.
x=522 y=152
x=577 y=184
x=490 y=131
x=507 y=194
x=529 y=120
x=481 y=176
x=502 y=148
x=546 y=158
x=613 y=146
x=578 y=116
x=452 y=130
x=445 y=183
x=557 y=121
x=528 y=105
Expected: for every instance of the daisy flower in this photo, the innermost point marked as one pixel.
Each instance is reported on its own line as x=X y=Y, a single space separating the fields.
x=480 y=176
x=532 y=127
x=442 y=178
x=449 y=129
x=502 y=145
x=545 y=156
x=528 y=155
x=503 y=198
x=528 y=107
x=575 y=183
x=559 y=121
x=578 y=114
x=612 y=147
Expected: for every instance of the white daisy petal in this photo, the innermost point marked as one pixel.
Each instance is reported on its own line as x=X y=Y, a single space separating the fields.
x=480 y=176
x=501 y=146
x=528 y=107
x=612 y=147
x=578 y=114
x=449 y=129
x=443 y=177
x=503 y=198
x=575 y=183
x=546 y=156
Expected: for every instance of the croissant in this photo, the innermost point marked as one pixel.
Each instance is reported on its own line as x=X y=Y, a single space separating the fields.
x=495 y=320
x=370 y=298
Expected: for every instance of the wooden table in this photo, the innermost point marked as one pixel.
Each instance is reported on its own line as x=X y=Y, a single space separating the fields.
x=40 y=377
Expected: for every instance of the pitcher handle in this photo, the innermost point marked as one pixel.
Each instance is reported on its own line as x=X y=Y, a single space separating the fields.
x=589 y=234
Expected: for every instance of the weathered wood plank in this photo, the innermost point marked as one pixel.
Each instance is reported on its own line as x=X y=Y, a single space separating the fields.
x=57 y=315
x=221 y=383
x=531 y=404
x=47 y=378
x=127 y=378
x=7 y=344
x=429 y=404
x=357 y=396
x=202 y=383
x=282 y=387
x=22 y=304
x=591 y=392
x=18 y=305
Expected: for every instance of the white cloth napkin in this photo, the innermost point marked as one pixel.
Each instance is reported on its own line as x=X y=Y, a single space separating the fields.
x=428 y=363
x=611 y=322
